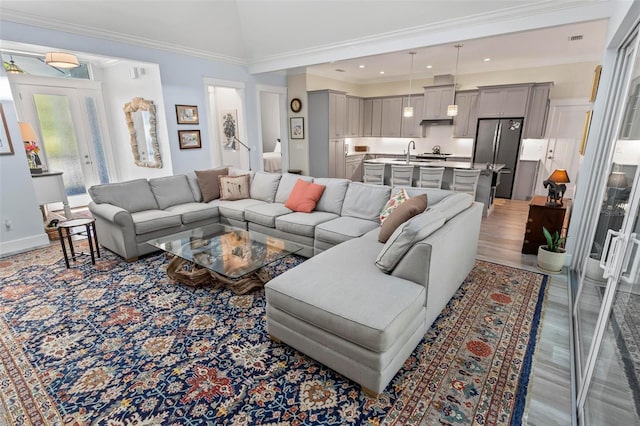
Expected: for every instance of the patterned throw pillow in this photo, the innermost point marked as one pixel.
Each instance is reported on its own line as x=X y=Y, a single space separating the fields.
x=208 y=182
x=408 y=209
x=393 y=203
x=234 y=187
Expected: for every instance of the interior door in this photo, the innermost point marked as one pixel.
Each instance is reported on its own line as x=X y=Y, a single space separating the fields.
x=70 y=125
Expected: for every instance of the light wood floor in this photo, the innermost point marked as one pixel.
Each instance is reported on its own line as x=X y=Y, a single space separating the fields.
x=549 y=397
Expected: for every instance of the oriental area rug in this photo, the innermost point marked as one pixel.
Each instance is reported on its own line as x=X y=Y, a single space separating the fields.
x=120 y=344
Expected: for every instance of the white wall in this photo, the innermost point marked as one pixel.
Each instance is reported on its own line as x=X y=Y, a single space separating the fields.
x=227 y=99
x=120 y=88
x=21 y=225
x=299 y=148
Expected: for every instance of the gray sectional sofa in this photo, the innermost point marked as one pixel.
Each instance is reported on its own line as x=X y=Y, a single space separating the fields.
x=357 y=305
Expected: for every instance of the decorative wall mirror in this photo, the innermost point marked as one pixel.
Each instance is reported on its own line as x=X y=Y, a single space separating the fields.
x=141 y=120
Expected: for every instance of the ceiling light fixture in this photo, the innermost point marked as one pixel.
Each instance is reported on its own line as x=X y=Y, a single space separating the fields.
x=12 y=68
x=429 y=66
x=408 y=110
x=381 y=72
x=61 y=60
x=361 y=66
x=452 y=110
x=487 y=59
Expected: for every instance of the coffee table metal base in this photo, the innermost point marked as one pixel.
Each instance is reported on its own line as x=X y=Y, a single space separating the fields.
x=188 y=273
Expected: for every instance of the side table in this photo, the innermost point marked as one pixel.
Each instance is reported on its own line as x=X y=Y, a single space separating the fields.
x=66 y=233
x=552 y=218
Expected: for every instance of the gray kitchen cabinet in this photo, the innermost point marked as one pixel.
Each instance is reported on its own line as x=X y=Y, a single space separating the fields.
x=525 y=181
x=536 y=122
x=372 y=117
x=411 y=125
x=337 y=156
x=337 y=113
x=436 y=101
x=353 y=116
x=391 y=122
x=509 y=100
x=354 y=167
x=325 y=150
x=464 y=124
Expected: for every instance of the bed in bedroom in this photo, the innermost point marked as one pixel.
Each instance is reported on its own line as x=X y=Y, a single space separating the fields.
x=272 y=162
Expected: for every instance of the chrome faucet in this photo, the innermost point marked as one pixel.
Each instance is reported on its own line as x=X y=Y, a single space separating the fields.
x=409 y=150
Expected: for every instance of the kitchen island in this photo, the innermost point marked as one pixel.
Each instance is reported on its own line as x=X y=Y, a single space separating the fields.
x=489 y=175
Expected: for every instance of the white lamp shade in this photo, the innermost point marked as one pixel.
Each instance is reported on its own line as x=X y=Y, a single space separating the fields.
x=452 y=110
x=407 y=111
x=61 y=60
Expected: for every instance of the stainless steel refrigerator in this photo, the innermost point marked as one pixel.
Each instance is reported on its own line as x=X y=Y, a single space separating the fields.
x=498 y=142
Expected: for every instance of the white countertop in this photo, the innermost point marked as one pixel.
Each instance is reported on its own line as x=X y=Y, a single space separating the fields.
x=440 y=163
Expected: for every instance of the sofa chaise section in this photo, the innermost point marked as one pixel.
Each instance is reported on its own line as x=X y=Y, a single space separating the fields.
x=343 y=310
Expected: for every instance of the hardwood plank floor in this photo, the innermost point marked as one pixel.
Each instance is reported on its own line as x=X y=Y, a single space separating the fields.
x=549 y=397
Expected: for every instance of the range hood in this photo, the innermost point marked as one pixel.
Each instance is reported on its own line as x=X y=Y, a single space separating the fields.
x=438 y=122
x=438 y=118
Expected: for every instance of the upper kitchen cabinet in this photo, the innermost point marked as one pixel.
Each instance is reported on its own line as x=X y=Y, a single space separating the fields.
x=436 y=101
x=372 y=117
x=353 y=116
x=337 y=114
x=464 y=124
x=391 y=116
x=536 y=122
x=509 y=100
x=411 y=125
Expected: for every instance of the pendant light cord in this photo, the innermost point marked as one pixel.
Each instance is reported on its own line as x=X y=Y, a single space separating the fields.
x=411 y=75
x=455 y=76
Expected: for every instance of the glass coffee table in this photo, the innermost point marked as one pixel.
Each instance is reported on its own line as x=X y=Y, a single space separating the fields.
x=221 y=255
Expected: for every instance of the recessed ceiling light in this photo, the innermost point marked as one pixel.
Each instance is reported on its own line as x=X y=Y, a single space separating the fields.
x=487 y=59
x=361 y=66
x=381 y=72
x=429 y=66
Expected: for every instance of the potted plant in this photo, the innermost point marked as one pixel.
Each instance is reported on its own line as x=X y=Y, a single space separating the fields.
x=551 y=256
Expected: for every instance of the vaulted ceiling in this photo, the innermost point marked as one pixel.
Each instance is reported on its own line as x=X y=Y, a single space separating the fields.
x=268 y=35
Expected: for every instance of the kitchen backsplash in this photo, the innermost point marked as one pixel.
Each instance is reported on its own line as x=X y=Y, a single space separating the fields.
x=434 y=135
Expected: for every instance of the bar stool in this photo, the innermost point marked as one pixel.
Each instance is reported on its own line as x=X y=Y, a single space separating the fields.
x=465 y=180
x=431 y=177
x=66 y=232
x=373 y=173
x=401 y=175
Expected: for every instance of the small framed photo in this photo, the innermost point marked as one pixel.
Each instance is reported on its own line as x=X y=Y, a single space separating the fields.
x=6 y=147
x=296 y=127
x=187 y=114
x=189 y=139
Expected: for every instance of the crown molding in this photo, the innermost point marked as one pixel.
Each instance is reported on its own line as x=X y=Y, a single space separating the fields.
x=27 y=19
x=537 y=15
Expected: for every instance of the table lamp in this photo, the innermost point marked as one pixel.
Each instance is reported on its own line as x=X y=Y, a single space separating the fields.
x=556 y=184
x=29 y=138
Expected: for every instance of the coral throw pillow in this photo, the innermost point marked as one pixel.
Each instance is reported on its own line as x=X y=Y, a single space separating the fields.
x=304 y=196
x=405 y=211
x=208 y=182
x=393 y=203
x=234 y=187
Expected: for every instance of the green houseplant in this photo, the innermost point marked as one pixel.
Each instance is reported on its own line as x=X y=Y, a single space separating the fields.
x=551 y=256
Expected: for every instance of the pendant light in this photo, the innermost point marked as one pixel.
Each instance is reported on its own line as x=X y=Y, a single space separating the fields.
x=61 y=60
x=452 y=110
x=408 y=110
x=12 y=68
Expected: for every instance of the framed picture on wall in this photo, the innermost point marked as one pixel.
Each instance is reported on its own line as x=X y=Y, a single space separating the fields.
x=189 y=139
x=6 y=147
x=296 y=127
x=187 y=114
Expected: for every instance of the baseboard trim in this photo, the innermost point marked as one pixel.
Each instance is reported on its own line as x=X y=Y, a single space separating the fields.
x=7 y=248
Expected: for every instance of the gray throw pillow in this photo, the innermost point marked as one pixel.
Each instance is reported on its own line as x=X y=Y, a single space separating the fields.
x=208 y=183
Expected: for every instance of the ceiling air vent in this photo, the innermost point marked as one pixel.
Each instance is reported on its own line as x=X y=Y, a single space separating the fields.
x=340 y=70
x=575 y=37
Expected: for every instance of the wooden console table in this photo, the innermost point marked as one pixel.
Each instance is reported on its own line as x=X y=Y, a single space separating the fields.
x=49 y=188
x=552 y=218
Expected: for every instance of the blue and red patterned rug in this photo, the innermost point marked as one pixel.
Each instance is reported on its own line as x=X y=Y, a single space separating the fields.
x=120 y=344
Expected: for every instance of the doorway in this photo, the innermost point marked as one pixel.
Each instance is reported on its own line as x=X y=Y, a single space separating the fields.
x=69 y=118
x=273 y=130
